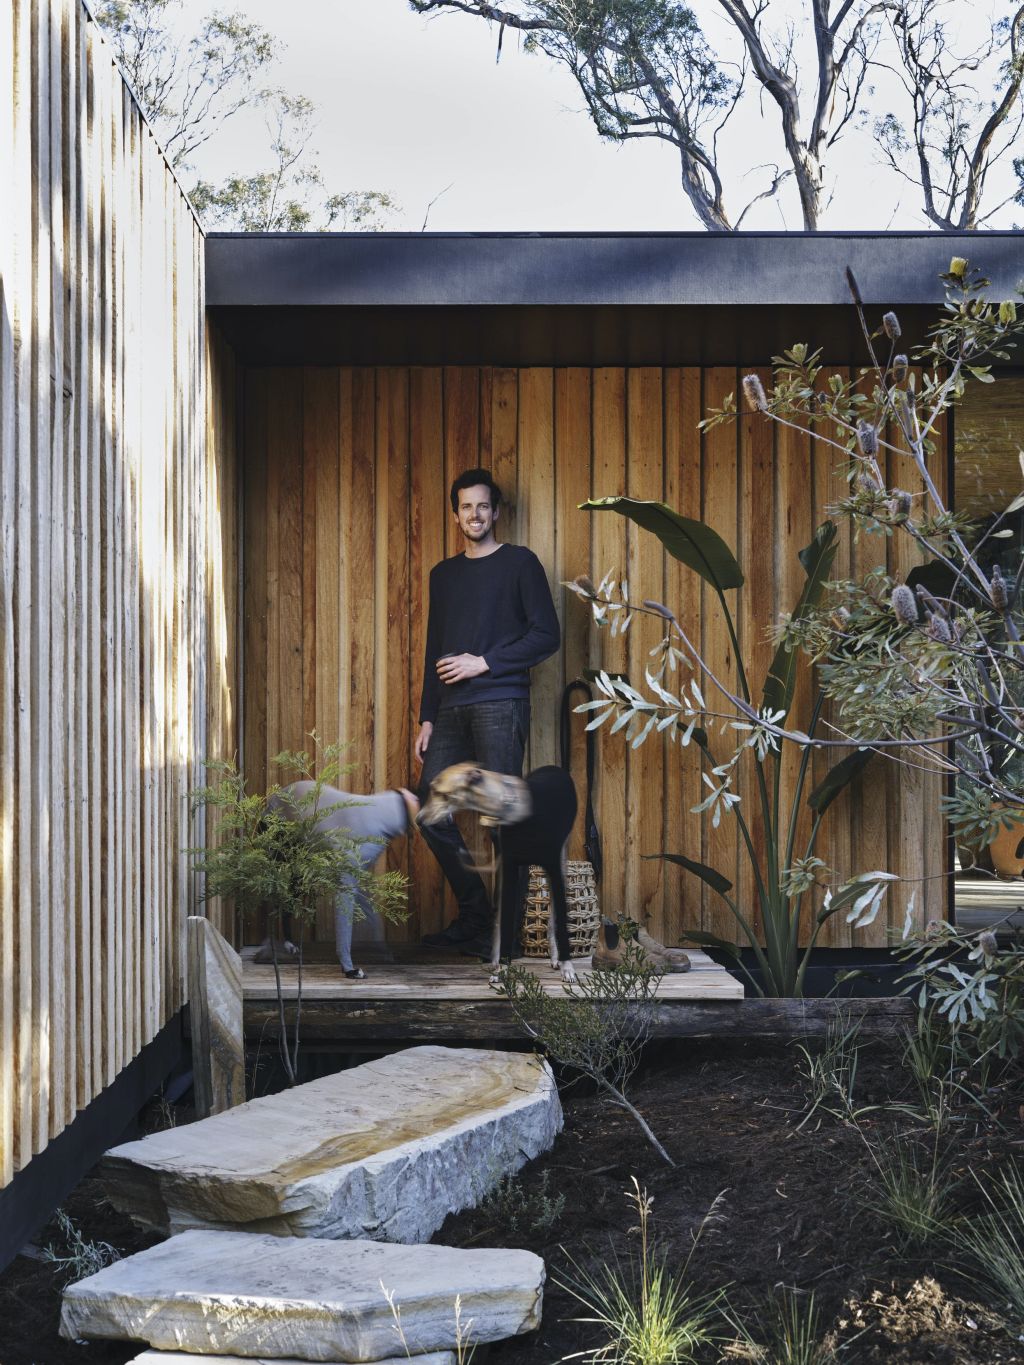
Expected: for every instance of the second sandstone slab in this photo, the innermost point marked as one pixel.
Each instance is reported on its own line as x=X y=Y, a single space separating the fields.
x=383 y=1151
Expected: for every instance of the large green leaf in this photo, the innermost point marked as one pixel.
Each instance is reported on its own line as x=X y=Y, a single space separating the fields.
x=817 y=559
x=707 y=874
x=838 y=778
x=691 y=542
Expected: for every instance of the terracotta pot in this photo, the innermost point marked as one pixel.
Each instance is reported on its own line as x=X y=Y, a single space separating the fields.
x=1007 y=850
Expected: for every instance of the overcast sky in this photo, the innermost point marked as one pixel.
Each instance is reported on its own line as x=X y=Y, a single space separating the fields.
x=418 y=106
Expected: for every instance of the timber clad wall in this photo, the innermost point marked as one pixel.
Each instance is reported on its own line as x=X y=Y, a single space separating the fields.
x=346 y=510
x=102 y=573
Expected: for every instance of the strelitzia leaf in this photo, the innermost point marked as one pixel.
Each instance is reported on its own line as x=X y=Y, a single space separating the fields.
x=817 y=559
x=691 y=542
x=707 y=874
x=838 y=778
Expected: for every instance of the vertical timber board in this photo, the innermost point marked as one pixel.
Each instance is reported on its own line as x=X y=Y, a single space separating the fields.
x=684 y=893
x=500 y=451
x=62 y=952
x=874 y=793
x=285 y=542
x=310 y=643
x=321 y=583
x=756 y=605
x=429 y=514
x=461 y=438
x=795 y=521
x=361 y=584
x=645 y=797
x=835 y=843
x=255 y=585
x=391 y=654
x=535 y=518
x=609 y=555
x=721 y=482
x=572 y=558
x=8 y=710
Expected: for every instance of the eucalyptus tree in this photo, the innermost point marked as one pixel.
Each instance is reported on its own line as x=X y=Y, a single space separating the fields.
x=654 y=69
x=190 y=81
x=961 y=112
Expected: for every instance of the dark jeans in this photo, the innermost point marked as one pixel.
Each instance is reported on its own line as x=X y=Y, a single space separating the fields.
x=493 y=734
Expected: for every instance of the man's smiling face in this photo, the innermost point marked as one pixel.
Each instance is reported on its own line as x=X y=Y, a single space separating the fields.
x=476 y=514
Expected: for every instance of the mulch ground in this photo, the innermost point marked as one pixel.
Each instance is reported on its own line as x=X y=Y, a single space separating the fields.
x=775 y=1205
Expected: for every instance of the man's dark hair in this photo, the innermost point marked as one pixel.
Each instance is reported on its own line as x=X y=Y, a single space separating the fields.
x=470 y=479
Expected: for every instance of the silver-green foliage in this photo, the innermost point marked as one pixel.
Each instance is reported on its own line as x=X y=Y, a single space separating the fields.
x=78 y=1258
x=972 y=983
x=527 y=1209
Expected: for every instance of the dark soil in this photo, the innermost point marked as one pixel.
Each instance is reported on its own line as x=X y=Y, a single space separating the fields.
x=777 y=1206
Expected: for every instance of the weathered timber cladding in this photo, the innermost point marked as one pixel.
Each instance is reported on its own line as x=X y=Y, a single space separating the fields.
x=346 y=510
x=104 y=501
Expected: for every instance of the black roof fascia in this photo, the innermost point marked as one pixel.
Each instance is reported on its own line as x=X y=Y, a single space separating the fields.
x=424 y=270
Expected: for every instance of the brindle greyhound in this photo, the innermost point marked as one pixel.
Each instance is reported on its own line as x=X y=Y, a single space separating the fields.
x=532 y=818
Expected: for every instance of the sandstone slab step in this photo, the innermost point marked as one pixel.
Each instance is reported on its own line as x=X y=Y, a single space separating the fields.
x=186 y=1358
x=385 y=1150
x=264 y=1297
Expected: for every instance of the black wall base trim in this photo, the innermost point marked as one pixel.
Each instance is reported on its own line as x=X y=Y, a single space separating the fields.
x=28 y=1201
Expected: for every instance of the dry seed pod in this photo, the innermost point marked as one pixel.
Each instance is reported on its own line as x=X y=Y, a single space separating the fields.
x=900 y=368
x=891 y=326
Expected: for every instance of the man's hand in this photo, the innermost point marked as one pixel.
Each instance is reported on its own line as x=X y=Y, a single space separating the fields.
x=458 y=667
x=423 y=741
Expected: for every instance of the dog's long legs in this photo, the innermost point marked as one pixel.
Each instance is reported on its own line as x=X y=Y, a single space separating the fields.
x=558 y=921
x=499 y=904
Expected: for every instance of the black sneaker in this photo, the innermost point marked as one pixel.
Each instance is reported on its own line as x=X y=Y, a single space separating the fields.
x=460 y=938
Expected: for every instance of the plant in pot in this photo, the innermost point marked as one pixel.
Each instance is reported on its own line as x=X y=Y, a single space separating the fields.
x=265 y=861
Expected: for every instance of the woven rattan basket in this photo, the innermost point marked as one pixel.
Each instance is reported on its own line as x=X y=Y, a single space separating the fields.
x=584 y=911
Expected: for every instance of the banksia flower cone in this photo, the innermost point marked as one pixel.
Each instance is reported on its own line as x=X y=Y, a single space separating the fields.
x=753 y=391
x=867 y=438
x=900 y=367
x=938 y=628
x=891 y=326
x=987 y=943
x=997 y=593
x=904 y=607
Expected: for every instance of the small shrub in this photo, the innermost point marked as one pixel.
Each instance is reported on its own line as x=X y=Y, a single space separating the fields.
x=520 y=1209
x=646 y=1313
x=597 y=1026
x=79 y=1258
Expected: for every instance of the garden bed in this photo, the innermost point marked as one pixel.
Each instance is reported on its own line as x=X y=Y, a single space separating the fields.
x=788 y=1198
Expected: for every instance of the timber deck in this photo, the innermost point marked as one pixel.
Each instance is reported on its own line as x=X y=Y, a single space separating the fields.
x=451 y=1001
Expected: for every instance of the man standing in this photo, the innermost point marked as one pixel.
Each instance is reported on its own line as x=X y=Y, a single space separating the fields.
x=491 y=620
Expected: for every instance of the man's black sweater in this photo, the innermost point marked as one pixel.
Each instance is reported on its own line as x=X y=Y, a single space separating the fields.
x=498 y=606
